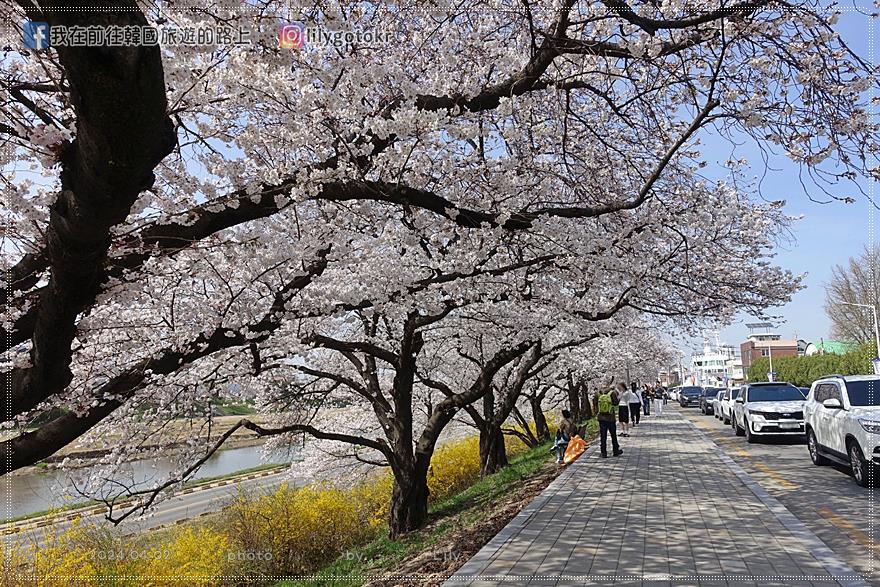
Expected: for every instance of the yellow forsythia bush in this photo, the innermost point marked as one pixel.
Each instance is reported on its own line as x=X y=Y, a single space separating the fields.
x=81 y=554
x=65 y=557
x=289 y=531
x=454 y=466
x=13 y=565
x=294 y=531
x=192 y=556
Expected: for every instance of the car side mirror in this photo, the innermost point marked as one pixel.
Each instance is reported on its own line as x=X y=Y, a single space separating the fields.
x=832 y=403
x=739 y=400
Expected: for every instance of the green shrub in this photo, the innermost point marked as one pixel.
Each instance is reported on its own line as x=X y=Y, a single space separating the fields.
x=802 y=371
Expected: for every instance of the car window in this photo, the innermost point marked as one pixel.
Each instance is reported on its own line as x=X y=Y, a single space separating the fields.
x=734 y=393
x=863 y=393
x=820 y=394
x=773 y=393
x=832 y=391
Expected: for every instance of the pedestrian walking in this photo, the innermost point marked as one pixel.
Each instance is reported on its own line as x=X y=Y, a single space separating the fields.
x=658 y=400
x=647 y=396
x=623 y=409
x=634 y=398
x=564 y=433
x=664 y=393
x=607 y=403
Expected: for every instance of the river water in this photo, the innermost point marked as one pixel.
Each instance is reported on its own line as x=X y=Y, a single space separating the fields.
x=43 y=490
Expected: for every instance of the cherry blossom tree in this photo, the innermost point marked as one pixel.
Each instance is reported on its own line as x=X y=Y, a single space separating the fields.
x=179 y=216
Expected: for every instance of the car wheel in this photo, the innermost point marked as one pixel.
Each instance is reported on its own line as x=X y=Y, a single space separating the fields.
x=860 y=468
x=739 y=431
x=750 y=436
x=813 y=447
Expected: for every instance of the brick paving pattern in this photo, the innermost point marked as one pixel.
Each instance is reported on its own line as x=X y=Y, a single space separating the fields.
x=672 y=510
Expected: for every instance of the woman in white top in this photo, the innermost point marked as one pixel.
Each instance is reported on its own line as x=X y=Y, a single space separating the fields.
x=627 y=398
x=635 y=405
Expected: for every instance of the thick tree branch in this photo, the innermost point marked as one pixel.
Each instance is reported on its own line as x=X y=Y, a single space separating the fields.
x=32 y=446
x=123 y=132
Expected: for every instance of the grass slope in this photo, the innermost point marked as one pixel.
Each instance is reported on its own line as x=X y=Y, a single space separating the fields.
x=384 y=556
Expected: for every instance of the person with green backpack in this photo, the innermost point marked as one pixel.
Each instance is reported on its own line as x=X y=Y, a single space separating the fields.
x=608 y=401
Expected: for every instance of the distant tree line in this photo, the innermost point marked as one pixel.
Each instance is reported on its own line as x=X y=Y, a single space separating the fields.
x=802 y=371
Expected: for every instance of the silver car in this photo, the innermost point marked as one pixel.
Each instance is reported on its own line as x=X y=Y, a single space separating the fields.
x=727 y=404
x=716 y=403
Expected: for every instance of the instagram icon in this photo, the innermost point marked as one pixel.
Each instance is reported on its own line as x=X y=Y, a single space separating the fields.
x=291 y=36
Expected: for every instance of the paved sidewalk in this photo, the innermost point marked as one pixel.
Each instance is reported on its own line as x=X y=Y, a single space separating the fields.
x=672 y=510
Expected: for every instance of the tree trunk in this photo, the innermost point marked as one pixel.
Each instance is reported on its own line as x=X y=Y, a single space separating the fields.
x=493 y=453
x=573 y=403
x=586 y=407
x=541 y=428
x=409 y=501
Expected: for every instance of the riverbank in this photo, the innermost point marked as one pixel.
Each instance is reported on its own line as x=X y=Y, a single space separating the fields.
x=75 y=510
x=87 y=452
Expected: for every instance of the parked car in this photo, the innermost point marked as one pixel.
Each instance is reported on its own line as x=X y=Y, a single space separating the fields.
x=768 y=408
x=842 y=417
x=716 y=403
x=727 y=404
x=689 y=395
x=706 y=399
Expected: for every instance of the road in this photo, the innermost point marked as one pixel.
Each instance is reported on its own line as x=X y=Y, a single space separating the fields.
x=200 y=501
x=826 y=499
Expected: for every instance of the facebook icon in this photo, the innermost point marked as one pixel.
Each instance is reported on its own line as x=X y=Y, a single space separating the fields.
x=36 y=35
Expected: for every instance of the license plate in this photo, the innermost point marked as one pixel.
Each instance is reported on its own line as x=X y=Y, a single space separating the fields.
x=789 y=425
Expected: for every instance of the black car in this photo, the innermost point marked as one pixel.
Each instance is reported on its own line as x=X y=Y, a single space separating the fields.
x=706 y=398
x=689 y=395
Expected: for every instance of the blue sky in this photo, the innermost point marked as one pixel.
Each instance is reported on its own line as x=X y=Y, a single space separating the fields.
x=828 y=234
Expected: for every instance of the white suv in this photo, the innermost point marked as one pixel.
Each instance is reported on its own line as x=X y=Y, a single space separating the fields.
x=770 y=408
x=843 y=424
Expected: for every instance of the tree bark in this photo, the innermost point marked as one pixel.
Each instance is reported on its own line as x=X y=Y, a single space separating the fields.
x=493 y=453
x=574 y=402
x=409 y=498
x=586 y=408
x=123 y=131
x=542 y=430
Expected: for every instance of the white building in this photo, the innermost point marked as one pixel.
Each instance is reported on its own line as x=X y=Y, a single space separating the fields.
x=716 y=365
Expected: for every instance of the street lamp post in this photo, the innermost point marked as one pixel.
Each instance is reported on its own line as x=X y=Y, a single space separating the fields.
x=876 y=360
x=771 y=376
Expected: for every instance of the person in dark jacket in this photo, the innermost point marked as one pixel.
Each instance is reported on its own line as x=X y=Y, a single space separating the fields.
x=607 y=416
